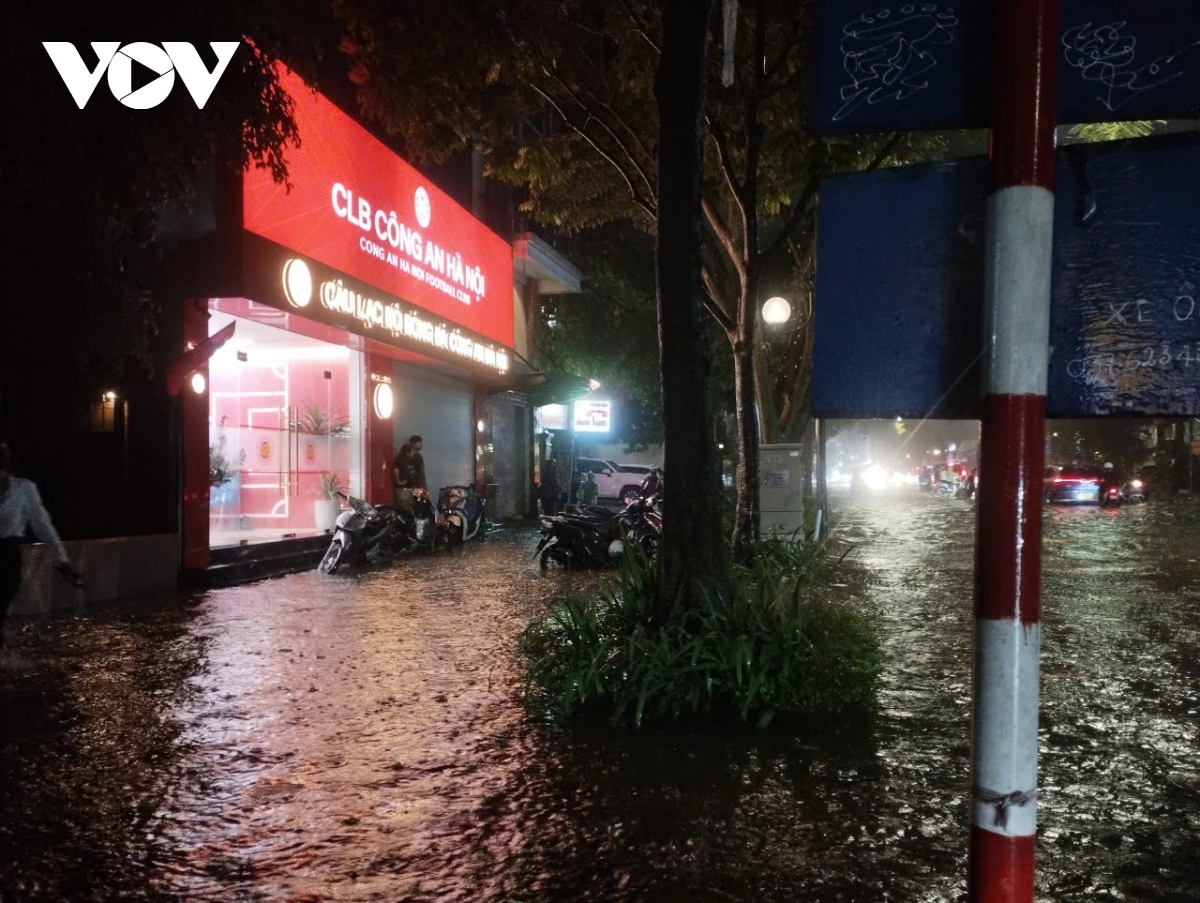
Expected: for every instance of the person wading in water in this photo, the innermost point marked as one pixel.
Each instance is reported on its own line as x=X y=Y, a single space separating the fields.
x=21 y=510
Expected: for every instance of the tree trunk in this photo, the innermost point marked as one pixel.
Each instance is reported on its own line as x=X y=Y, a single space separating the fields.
x=692 y=550
x=768 y=418
x=745 y=528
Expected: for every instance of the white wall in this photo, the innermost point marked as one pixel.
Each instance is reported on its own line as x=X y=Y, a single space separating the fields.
x=650 y=457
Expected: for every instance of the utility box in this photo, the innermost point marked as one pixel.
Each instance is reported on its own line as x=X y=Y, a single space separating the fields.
x=781 y=488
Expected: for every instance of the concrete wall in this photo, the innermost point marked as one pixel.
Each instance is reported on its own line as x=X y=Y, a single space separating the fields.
x=117 y=568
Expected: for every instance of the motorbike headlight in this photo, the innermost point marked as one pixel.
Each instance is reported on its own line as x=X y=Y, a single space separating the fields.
x=1136 y=484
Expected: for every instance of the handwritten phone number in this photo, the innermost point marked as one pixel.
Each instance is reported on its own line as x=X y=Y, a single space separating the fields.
x=1152 y=357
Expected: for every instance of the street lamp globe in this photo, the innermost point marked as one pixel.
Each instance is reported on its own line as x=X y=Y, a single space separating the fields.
x=776 y=311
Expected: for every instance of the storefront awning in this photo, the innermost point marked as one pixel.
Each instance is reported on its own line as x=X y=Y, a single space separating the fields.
x=534 y=259
x=540 y=389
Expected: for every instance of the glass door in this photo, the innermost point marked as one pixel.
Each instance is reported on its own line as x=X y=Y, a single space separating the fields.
x=285 y=433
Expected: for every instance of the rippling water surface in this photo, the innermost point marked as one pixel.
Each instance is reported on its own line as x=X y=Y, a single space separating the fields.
x=361 y=738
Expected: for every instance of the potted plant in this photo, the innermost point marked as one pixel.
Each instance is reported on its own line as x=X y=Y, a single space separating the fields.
x=318 y=422
x=327 y=506
x=223 y=470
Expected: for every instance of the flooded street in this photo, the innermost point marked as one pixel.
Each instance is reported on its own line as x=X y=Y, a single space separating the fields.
x=361 y=738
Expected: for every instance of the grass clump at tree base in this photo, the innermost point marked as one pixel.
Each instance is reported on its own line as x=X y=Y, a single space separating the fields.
x=774 y=643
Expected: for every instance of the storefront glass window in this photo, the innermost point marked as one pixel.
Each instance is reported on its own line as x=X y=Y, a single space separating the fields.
x=285 y=432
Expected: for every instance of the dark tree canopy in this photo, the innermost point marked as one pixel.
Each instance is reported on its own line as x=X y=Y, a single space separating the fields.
x=86 y=189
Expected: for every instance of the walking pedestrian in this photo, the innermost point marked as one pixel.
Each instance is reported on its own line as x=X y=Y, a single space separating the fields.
x=21 y=510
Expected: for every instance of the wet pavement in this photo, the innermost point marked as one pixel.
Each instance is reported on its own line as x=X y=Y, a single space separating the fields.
x=361 y=738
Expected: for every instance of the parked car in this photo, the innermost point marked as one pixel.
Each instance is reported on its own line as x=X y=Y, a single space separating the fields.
x=1083 y=486
x=616 y=481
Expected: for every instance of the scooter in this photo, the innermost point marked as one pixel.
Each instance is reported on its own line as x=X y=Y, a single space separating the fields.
x=641 y=521
x=597 y=537
x=463 y=513
x=366 y=532
x=574 y=542
x=1135 y=492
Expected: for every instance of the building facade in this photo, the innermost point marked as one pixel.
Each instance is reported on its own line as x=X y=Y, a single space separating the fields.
x=311 y=328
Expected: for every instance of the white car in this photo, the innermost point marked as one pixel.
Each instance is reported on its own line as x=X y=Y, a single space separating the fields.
x=616 y=481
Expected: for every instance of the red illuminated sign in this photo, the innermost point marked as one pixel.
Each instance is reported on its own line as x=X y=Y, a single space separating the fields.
x=358 y=208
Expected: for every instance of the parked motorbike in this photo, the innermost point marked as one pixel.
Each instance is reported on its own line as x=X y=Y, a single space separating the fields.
x=588 y=535
x=463 y=513
x=944 y=487
x=366 y=532
x=575 y=541
x=641 y=521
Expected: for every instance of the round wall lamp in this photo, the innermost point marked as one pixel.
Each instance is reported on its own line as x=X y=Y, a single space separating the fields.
x=383 y=401
x=198 y=383
x=297 y=282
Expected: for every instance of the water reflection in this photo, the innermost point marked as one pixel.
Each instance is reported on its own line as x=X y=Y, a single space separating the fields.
x=312 y=739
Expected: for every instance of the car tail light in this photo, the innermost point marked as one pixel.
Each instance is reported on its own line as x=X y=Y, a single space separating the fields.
x=1114 y=490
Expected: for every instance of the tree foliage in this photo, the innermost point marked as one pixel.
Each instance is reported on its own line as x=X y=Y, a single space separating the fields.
x=608 y=331
x=89 y=187
x=559 y=95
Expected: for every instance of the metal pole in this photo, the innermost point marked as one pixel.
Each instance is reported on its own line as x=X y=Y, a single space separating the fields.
x=1008 y=553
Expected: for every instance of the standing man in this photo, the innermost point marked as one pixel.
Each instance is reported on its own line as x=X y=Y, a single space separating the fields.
x=589 y=492
x=548 y=489
x=417 y=463
x=21 y=509
x=402 y=477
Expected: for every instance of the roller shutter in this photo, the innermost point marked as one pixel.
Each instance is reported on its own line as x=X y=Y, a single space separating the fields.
x=441 y=410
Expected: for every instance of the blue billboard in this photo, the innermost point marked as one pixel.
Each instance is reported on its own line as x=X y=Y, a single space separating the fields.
x=899 y=289
x=896 y=66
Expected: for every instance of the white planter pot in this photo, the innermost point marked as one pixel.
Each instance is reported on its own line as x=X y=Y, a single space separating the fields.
x=327 y=511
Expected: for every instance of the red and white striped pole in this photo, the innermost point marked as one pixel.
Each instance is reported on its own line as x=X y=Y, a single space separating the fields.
x=1020 y=229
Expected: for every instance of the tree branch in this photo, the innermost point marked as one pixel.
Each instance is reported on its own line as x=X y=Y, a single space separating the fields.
x=721 y=140
x=716 y=302
x=648 y=206
x=720 y=231
x=639 y=26
x=637 y=165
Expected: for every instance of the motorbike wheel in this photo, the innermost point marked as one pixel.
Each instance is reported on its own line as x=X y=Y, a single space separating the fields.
x=554 y=555
x=333 y=557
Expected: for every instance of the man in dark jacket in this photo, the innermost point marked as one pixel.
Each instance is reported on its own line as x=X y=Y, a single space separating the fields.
x=417 y=463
